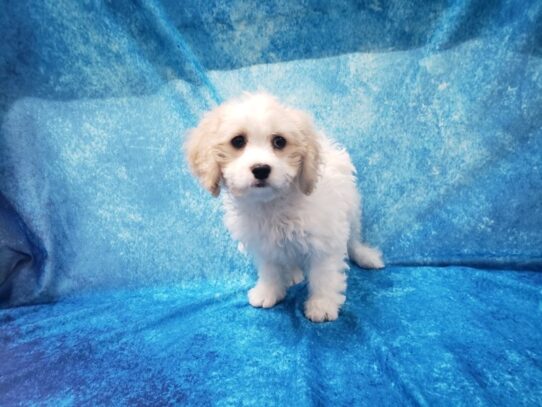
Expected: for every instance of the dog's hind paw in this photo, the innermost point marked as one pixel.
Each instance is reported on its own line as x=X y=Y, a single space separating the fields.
x=297 y=276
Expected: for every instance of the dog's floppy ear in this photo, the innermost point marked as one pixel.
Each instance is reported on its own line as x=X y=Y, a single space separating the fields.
x=310 y=163
x=199 y=148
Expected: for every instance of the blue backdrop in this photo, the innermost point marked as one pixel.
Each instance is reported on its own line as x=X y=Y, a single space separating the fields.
x=134 y=292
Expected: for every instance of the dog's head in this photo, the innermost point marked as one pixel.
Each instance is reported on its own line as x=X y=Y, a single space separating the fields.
x=256 y=148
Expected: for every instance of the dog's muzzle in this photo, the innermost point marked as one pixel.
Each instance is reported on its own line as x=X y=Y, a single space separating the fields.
x=261 y=171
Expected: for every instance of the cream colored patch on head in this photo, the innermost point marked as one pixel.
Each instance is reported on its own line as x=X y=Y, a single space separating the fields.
x=259 y=120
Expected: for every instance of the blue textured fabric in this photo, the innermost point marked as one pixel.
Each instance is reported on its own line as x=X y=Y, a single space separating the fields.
x=141 y=288
x=406 y=336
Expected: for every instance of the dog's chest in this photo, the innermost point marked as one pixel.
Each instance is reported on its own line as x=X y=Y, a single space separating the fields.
x=277 y=235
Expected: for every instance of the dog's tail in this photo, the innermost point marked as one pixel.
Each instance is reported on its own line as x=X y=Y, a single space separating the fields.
x=364 y=256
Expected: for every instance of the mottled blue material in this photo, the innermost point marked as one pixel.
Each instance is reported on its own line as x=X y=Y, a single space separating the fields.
x=406 y=336
x=440 y=106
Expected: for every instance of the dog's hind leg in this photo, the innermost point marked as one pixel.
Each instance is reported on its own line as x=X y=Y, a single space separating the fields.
x=296 y=276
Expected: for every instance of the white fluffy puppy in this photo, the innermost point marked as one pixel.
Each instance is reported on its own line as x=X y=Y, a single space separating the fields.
x=291 y=199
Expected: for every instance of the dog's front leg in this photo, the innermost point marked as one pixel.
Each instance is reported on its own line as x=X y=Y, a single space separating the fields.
x=327 y=284
x=270 y=288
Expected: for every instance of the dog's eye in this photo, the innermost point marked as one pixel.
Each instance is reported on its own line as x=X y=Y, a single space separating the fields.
x=279 y=142
x=238 y=141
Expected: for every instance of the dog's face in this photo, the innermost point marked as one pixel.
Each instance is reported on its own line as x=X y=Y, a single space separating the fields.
x=255 y=147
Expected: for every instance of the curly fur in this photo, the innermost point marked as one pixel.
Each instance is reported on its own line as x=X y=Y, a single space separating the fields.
x=304 y=219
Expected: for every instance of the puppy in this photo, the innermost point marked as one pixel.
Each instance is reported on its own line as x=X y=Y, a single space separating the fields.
x=291 y=199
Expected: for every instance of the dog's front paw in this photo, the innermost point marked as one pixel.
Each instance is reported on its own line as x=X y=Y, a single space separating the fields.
x=321 y=309
x=265 y=296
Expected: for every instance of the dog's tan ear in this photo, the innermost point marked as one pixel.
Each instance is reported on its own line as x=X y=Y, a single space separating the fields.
x=199 y=149
x=308 y=175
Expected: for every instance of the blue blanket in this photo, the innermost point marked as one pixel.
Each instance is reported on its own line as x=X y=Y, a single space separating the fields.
x=120 y=285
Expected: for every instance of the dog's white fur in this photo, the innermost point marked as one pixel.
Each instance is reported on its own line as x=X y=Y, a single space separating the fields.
x=304 y=220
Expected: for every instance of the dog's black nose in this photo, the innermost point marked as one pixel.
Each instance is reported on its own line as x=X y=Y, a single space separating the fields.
x=261 y=171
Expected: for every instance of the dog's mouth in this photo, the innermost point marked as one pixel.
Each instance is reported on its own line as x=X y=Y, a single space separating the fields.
x=260 y=184
x=260 y=191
